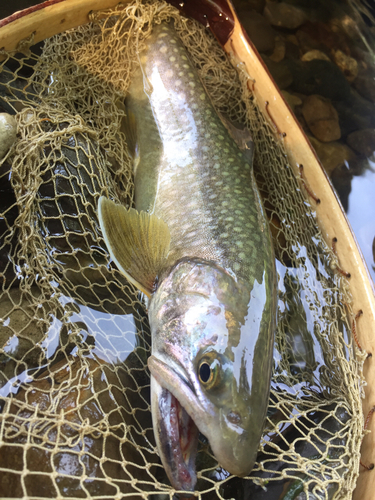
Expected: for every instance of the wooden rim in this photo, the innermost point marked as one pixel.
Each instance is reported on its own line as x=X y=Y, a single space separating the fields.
x=55 y=16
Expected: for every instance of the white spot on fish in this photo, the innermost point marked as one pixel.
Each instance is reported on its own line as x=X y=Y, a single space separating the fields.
x=239 y=244
x=236 y=266
x=163 y=49
x=192 y=84
x=184 y=58
x=216 y=165
x=242 y=255
x=195 y=106
x=169 y=73
x=202 y=97
x=237 y=229
x=185 y=66
x=207 y=136
x=175 y=50
x=224 y=235
x=178 y=83
x=172 y=58
x=212 y=196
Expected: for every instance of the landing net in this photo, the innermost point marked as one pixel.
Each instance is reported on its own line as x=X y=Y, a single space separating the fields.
x=75 y=416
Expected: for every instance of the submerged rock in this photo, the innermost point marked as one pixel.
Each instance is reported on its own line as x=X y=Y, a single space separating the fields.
x=332 y=154
x=8 y=233
x=291 y=99
x=8 y=133
x=284 y=15
x=355 y=113
x=74 y=178
x=314 y=54
x=347 y=64
x=365 y=83
x=280 y=72
x=318 y=77
x=259 y=30
x=362 y=141
x=83 y=422
x=321 y=118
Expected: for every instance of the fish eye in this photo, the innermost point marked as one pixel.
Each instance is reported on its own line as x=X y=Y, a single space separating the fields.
x=209 y=371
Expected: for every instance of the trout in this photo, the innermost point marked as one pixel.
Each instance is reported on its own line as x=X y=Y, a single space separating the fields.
x=198 y=245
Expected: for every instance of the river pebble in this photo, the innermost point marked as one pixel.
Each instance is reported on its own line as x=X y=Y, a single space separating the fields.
x=8 y=133
x=284 y=15
x=362 y=141
x=321 y=118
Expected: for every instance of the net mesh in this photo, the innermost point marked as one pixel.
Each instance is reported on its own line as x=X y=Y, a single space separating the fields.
x=74 y=336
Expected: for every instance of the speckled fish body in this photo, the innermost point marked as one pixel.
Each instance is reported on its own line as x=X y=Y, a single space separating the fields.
x=212 y=306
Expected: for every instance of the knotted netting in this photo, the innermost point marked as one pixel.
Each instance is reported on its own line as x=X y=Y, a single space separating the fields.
x=75 y=416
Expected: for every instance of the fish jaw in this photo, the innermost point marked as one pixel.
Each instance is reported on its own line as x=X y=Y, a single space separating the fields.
x=176 y=437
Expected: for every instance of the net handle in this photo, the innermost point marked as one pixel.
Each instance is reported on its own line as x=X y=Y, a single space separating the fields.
x=54 y=16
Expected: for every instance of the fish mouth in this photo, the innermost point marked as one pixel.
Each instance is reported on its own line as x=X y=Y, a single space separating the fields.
x=178 y=415
x=176 y=436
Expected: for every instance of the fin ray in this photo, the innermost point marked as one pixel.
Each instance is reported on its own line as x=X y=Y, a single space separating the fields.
x=137 y=241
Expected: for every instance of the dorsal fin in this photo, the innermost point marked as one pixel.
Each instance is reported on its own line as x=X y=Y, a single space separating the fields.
x=137 y=241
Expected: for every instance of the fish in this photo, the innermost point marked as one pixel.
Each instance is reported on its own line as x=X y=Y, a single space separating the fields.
x=198 y=245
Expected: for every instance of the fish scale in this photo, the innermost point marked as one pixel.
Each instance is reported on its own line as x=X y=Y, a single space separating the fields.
x=206 y=192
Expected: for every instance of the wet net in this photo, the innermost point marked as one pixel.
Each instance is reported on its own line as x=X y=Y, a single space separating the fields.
x=75 y=416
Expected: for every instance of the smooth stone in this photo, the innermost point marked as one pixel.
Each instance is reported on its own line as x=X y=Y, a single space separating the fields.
x=347 y=64
x=332 y=154
x=365 y=83
x=362 y=141
x=279 y=50
x=321 y=118
x=280 y=72
x=21 y=331
x=75 y=413
x=291 y=47
x=8 y=133
x=307 y=43
x=259 y=31
x=291 y=99
x=284 y=15
x=318 y=77
x=314 y=54
x=356 y=113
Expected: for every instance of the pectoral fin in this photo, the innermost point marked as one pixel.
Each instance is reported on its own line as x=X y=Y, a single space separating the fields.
x=137 y=241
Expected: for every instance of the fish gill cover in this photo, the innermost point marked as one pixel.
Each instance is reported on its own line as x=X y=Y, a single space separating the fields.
x=74 y=333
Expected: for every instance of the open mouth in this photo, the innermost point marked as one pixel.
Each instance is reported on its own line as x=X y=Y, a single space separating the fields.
x=178 y=438
x=175 y=431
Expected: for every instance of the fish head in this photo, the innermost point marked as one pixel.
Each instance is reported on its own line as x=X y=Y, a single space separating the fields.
x=210 y=367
